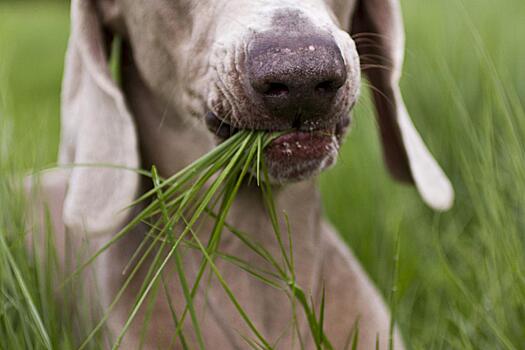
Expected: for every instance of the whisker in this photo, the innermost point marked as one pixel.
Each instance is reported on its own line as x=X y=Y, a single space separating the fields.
x=370 y=34
x=376 y=66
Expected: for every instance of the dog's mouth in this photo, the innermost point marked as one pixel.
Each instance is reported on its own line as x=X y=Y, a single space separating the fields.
x=297 y=154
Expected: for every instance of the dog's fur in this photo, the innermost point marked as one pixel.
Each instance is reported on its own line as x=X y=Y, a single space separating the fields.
x=179 y=61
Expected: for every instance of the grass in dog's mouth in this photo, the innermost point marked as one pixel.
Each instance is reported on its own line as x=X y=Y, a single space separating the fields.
x=224 y=130
x=172 y=212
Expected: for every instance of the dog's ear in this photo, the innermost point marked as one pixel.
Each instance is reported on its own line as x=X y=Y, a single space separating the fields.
x=98 y=131
x=377 y=29
x=111 y=16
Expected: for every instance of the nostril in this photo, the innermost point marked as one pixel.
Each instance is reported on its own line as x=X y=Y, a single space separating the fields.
x=328 y=86
x=276 y=89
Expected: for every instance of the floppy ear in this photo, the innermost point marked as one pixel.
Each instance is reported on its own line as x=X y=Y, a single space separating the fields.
x=97 y=130
x=378 y=31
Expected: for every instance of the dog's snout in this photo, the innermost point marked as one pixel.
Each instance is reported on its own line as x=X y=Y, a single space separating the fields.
x=295 y=75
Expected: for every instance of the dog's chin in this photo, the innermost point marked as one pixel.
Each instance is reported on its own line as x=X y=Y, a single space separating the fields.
x=296 y=155
x=300 y=155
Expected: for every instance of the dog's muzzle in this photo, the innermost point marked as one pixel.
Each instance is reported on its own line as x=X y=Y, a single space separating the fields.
x=296 y=82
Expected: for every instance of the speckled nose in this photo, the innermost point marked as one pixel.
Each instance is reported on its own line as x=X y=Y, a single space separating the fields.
x=295 y=76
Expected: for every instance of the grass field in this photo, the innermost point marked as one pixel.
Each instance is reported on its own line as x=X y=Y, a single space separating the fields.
x=461 y=278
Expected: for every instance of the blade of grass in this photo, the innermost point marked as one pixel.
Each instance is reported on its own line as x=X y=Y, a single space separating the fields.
x=173 y=314
x=393 y=303
x=41 y=330
x=178 y=264
x=230 y=294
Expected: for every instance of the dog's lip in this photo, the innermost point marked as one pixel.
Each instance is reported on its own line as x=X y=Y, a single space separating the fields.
x=223 y=130
x=219 y=127
x=301 y=146
x=300 y=155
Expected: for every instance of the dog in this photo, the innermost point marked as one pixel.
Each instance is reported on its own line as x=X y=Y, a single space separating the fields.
x=193 y=72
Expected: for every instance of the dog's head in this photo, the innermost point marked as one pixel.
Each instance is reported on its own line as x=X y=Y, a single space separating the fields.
x=271 y=65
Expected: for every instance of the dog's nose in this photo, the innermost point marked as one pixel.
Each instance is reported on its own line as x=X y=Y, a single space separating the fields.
x=296 y=77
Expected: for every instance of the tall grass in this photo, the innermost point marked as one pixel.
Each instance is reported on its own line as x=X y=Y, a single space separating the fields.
x=31 y=317
x=460 y=282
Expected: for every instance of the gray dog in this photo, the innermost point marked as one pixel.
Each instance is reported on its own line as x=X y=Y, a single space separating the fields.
x=195 y=71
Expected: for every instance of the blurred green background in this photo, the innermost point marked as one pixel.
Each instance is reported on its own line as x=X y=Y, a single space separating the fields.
x=461 y=278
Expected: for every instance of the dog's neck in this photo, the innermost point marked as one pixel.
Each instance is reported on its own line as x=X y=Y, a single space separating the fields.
x=170 y=142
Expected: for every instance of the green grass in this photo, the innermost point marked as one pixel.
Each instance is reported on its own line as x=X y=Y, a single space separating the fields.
x=460 y=279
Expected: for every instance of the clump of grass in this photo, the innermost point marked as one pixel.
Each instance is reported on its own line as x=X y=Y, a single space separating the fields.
x=30 y=315
x=18 y=306
x=208 y=188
